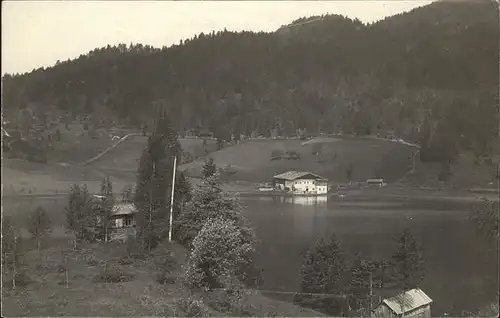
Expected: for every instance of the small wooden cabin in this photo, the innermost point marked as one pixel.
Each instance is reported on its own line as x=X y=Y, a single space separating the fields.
x=122 y=221
x=413 y=303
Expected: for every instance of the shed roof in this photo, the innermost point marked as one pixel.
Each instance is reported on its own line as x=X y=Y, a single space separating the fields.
x=293 y=175
x=413 y=299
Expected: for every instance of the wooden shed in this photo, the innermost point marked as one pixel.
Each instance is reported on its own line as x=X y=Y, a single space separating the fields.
x=412 y=303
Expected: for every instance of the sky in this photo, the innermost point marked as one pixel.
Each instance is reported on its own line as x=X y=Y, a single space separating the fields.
x=38 y=33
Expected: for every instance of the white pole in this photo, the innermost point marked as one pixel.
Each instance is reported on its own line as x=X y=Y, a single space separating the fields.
x=172 y=202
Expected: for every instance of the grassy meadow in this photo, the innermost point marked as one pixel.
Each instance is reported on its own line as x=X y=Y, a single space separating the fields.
x=251 y=160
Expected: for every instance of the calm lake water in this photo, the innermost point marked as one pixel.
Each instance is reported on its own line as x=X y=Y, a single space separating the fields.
x=462 y=266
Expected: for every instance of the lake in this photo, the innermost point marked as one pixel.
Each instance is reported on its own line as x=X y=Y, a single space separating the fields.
x=461 y=265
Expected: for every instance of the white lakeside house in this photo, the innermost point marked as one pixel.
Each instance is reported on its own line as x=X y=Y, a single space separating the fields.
x=301 y=183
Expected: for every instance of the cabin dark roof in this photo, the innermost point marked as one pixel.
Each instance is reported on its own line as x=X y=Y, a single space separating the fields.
x=293 y=175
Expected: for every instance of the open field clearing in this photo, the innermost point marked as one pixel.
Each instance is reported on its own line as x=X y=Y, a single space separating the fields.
x=251 y=160
x=23 y=177
x=125 y=157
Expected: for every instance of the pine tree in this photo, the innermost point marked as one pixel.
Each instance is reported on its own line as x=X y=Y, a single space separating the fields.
x=39 y=225
x=81 y=216
x=321 y=273
x=106 y=205
x=486 y=216
x=407 y=262
x=8 y=234
x=11 y=249
x=154 y=178
x=183 y=193
x=361 y=284
x=208 y=201
x=408 y=265
x=127 y=195
x=209 y=168
x=143 y=199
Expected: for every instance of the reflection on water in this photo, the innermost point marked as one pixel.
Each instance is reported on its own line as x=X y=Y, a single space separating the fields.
x=300 y=200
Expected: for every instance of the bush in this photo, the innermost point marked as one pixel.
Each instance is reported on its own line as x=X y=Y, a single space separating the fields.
x=166 y=278
x=125 y=260
x=232 y=302
x=92 y=261
x=192 y=307
x=222 y=301
x=112 y=275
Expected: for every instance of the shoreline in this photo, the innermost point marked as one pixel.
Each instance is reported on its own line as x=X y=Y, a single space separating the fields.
x=404 y=193
x=370 y=194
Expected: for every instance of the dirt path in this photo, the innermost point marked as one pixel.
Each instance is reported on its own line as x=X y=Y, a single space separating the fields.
x=92 y=160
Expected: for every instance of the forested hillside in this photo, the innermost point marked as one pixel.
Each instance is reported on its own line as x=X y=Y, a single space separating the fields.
x=430 y=75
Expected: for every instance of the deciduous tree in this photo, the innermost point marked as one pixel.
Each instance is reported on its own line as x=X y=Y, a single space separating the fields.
x=221 y=250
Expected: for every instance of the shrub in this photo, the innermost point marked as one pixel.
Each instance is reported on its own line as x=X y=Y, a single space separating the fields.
x=166 y=278
x=92 y=261
x=112 y=275
x=192 y=307
x=125 y=260
x=232 y=302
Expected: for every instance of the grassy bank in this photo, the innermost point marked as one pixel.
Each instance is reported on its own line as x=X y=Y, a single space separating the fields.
x=102 y=281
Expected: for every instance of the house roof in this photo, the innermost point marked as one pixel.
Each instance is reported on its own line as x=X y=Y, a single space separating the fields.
x=293 y=175
x=413 y=299
x=124 y=208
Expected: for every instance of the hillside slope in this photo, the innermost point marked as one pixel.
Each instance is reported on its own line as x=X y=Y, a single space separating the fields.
x=328 y=75
x=251 y=160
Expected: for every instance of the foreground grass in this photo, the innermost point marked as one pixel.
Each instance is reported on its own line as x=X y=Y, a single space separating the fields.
x=44 y=292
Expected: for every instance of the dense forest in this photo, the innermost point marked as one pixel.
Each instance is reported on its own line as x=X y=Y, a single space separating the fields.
x=429 y=75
